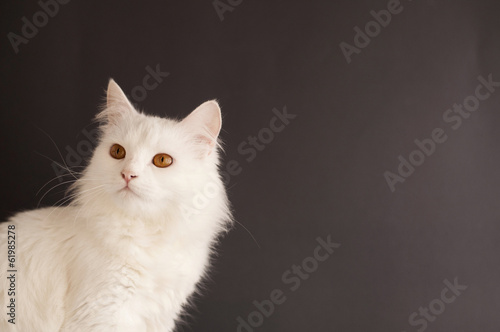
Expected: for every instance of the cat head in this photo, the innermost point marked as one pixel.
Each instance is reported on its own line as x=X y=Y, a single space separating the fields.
x=146 y=164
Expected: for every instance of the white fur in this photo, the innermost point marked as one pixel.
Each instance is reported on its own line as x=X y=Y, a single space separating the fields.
x=122 y=260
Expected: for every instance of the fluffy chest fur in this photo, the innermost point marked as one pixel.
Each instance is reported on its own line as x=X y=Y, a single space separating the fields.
x=138 y=276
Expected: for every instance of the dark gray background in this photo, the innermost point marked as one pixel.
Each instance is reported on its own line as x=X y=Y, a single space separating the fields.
x=323 y=174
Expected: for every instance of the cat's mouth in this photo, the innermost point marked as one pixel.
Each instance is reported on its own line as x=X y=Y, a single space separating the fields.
x=128 y=191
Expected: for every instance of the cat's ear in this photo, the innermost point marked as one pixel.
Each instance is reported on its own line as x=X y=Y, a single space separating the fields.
x=205 y=123
x=117 y=104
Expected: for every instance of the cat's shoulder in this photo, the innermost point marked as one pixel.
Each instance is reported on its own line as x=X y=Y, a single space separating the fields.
x=42 y=217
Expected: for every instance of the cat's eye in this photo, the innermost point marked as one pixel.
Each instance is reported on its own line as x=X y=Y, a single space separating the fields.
x=162 y=160
x=117 y=151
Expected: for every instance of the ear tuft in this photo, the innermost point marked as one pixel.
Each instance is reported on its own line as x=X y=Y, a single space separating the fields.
x=205 y=123
x=117 y=104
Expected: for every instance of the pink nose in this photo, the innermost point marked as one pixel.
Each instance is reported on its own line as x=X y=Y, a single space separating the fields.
x=127 y=176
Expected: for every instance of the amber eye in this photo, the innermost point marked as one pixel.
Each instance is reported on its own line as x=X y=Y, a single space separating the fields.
x=162 y=160
x=117 y=151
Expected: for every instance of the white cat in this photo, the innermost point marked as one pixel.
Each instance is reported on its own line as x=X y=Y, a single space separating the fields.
x=129 y=250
